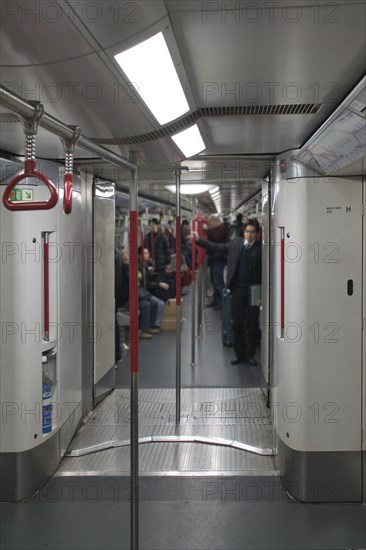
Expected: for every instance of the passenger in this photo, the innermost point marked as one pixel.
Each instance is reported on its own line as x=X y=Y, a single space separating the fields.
x=125 y=285
x=244 y=270
x=226 y=223
x=186 y=247
x=169 y=233
x=150 y=309
x=157 y=288
x=158 y=246
x=217 y=232
x=149 y=314
x=237 y=227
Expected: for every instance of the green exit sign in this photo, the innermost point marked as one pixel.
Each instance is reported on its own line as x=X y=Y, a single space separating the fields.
x=21 y=195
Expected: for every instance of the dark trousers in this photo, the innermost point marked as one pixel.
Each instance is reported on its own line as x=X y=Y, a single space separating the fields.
x=217 y=281
x=147 y=317
x=245 y=323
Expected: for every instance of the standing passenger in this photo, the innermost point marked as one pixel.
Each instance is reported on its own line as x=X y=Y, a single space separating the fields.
x=216 y=232
x=158 y=247
x=244 y=270
x=169 y=233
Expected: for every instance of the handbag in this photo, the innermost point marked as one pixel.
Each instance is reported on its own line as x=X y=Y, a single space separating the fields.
x=255 y=294
x=173 y=263
x=143 y=294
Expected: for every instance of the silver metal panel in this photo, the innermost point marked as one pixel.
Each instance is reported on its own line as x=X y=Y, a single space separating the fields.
x=171 y=457
x=25 y=473
x=87 y=347
x=104 y=385
x=265 y=307
x=320 y=476
x=103 y=260
x=70 y=296
x=68 y=429
x=209 y=427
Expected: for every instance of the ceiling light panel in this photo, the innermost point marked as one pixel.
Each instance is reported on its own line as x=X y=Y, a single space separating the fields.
x=189 y=141
x=190 y=188
x=150 y=69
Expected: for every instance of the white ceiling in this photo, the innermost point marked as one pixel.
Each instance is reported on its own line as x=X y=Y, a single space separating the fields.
x=265 y=53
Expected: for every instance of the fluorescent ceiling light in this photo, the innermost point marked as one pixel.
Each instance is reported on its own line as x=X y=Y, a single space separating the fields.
x=190 y=141
x=151 y=71
x=190 y=188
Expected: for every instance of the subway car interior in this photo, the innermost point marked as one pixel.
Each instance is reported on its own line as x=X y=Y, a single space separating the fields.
x=183 y=275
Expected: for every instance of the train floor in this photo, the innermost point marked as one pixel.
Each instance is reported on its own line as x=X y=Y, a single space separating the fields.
x=208 y=482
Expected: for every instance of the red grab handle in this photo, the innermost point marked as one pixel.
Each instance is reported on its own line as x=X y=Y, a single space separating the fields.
x=30 y=172
x=68 y=181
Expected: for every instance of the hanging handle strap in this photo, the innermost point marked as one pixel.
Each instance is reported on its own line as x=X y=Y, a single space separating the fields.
x=69 y=148
x=30 y=127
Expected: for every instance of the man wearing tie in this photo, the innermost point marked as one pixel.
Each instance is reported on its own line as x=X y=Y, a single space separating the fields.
x=244 y=269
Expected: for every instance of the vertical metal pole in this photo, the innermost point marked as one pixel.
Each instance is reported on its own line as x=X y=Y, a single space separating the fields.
x=193 y=288
x=199 y=282
x=178 y=302
x=134 y=426
x=178 y=296
x=269 y=334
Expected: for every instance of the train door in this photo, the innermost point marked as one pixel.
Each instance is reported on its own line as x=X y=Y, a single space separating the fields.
x=103 y=261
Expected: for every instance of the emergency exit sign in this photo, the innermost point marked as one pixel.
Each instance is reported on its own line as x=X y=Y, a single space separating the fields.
x=21 y=195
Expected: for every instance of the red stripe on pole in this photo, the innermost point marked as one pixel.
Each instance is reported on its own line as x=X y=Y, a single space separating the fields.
x=152 y=245
x=142 y=250
x=193 y=252
x=134 y=313
x=46 y=288
x=282 y=275
x=178 y=262
x=200 y=250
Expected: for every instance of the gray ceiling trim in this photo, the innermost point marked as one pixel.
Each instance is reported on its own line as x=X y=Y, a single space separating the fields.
x=203 y=112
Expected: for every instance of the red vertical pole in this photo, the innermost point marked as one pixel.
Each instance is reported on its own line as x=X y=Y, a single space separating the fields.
x=200 y=250
x=133 y=292
x=178 y=262
x=46 y=279
x=134 y=426
x=152 y=246
x=142 y=250
x=193 y=252
x=282 y=280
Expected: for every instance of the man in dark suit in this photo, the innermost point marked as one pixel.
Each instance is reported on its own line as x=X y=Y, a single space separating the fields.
x=158 y=247
x=244 y=269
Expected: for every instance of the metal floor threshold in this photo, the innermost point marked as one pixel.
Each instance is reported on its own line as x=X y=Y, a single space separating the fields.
x=223 y=431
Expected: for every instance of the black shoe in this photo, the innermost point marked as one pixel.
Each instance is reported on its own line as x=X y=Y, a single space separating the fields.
x=211 y=304
x=237 y=361
x=250 y=359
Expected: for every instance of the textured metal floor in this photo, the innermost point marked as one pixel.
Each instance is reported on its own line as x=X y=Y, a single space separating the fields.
x=232 y=414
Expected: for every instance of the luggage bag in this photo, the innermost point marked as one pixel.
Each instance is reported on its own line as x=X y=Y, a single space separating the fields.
x=227 y=333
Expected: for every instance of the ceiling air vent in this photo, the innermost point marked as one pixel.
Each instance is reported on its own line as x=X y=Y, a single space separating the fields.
x=9 y=118
x=212 y=112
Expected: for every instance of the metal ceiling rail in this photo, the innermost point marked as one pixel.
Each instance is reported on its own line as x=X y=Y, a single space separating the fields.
x=48 y=122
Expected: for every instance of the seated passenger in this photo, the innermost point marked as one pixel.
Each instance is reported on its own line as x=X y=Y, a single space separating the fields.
x=151 y=280
x=150 y=308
